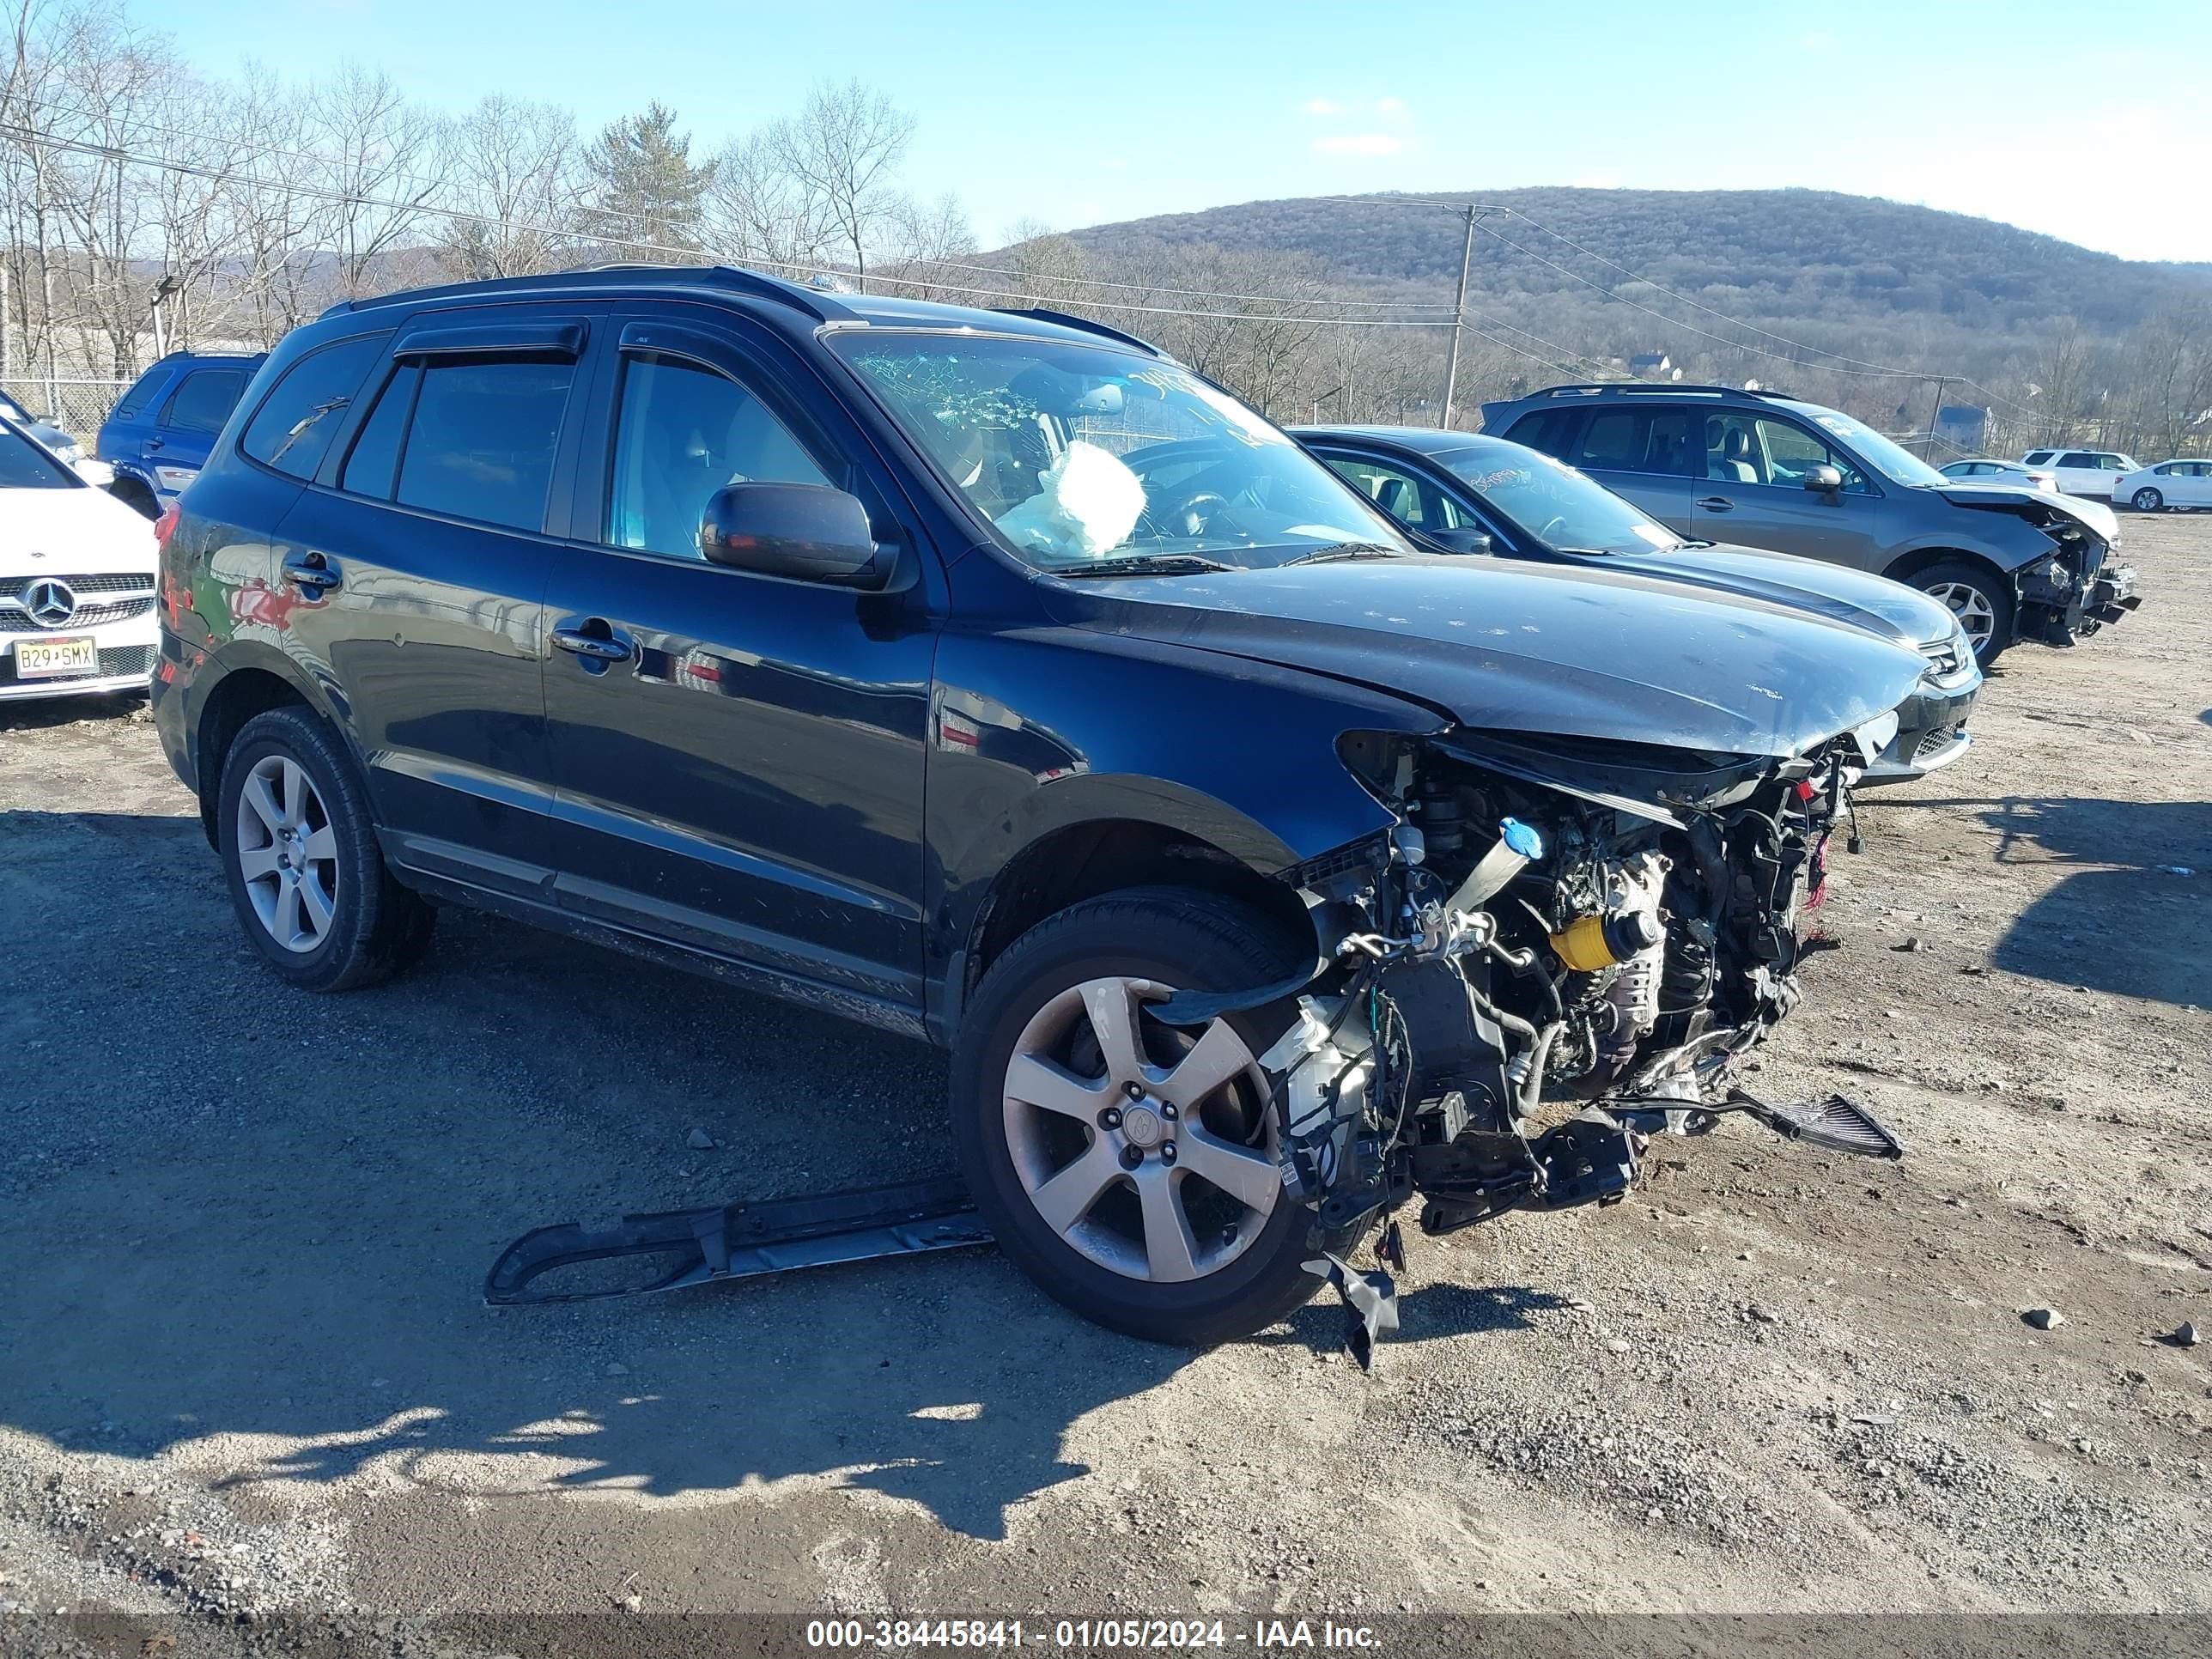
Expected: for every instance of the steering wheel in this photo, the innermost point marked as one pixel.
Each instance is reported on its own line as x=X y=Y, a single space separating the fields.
x=1193 y=516
x=1557 y=521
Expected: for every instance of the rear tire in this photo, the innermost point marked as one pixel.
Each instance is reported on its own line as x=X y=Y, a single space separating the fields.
x=1155 y=1249
x=2148 y=500
x=1980 y=598
x=299 y=850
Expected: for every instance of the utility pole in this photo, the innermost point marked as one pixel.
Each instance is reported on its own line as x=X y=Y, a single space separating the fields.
x=1936 y=415
x=1459 y=318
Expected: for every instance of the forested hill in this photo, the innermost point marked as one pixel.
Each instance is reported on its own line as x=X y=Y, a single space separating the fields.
x=1769 y=257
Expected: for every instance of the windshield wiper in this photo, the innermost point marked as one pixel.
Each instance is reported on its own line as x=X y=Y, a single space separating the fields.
x=1147 y=564
x=1345 y=551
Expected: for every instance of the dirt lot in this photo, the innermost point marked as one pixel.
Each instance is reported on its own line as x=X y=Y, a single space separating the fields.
x=243 y=1364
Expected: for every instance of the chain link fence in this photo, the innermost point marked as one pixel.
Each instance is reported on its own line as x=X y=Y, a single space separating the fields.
x=76 y=406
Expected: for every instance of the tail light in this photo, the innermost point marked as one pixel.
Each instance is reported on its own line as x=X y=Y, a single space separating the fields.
x=165 y=526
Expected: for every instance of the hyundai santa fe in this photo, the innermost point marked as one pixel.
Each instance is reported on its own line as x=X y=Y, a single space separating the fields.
x=1263 y=869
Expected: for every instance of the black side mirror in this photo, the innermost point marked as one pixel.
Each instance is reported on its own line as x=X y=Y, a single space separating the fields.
x=809 y=533
x=1463 y=538
x=1825 y=479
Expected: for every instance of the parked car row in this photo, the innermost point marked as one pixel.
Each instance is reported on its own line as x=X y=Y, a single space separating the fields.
x=1276 y=829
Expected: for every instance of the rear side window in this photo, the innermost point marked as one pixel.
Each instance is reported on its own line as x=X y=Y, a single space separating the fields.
x=481 y=442
x=375 y=457
x=1637 y=440
x=203 y=399
x=135 y=402
x=2077 y=458
x=293 y=429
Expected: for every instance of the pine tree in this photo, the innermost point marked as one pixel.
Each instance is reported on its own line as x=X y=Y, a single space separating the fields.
x=644 y=188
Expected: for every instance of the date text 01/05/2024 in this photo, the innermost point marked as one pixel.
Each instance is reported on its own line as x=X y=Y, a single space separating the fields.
x=1162 y=1634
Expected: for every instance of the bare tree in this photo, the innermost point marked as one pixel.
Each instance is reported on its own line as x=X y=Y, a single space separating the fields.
x=758 y=211
x=843 y=148
x=923 y=244
x=512 y=180
x=375 y=148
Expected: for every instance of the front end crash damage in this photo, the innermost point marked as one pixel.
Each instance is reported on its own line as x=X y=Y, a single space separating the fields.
x=1563 y=949
x=2080 y=585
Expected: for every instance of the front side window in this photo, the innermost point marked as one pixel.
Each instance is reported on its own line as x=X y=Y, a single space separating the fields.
x=481 y=440
x=293 y=429
x=203 y=399
x=1552 y=504
x=1075 y=452
x=1405 y=498
x=682 y=432
x=25 y=465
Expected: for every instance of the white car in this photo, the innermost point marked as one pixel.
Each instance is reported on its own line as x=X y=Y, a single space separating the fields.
x=1994 y=472
x=2169 y=484
x=2083 y=472
x=76 y=580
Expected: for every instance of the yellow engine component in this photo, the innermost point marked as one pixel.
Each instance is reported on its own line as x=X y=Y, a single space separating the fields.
x=1583 y=945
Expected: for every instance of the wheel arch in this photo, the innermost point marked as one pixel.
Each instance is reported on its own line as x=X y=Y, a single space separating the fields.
x=262 y=680
x=1073 y=862
x=1906 y=566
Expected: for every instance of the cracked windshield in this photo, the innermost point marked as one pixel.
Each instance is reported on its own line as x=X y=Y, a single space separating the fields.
x=1083 y=456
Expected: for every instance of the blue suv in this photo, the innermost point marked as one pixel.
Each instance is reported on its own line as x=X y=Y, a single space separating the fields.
x=158 y=436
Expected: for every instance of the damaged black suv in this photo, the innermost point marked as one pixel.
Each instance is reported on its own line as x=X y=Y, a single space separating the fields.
x=1262 y=871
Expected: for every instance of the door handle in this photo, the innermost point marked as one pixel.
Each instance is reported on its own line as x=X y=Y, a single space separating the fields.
x=595 y=640
x=312 y=572
x=1716 y=504
x=156 y=443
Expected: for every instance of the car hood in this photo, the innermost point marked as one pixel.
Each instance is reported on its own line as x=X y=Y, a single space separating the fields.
x=62 y=531
x=1840 y=594
x=2100 y=517
x=1618 y=657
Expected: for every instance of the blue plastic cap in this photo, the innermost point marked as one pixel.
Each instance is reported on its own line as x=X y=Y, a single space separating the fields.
x=1527 y=842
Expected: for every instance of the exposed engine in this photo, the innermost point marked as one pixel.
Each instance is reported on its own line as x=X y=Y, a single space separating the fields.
x=1532 y=978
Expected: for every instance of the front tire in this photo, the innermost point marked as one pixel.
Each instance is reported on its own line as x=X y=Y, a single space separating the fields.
x=2148 y=500
x=299 y=850
x=1981 y=599
x=1127 y=1166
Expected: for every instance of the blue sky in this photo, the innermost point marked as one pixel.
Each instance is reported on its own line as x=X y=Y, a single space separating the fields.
x=2084 y=122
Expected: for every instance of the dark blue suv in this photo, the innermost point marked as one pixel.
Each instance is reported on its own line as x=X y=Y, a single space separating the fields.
x=158 y=434
x=995 y=678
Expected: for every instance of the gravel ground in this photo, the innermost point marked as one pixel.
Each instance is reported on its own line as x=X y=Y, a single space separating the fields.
x=244 y=1366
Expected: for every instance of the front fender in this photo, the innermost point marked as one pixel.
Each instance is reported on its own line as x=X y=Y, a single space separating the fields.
x=1033 y=732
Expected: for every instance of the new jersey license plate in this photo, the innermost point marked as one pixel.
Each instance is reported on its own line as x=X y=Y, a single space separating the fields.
x=48 y=659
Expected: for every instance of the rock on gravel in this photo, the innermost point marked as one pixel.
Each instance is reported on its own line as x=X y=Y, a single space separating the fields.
x=2044 y=1319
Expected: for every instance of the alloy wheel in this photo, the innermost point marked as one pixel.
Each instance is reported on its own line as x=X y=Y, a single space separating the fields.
x=287 y=853
x=1977 y=616
x=1150 y=1153
x=2148 y=500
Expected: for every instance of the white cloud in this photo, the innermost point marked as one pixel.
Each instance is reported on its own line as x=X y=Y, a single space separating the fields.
x=1359 y=144
x=1390 y=106
x=1321 y=107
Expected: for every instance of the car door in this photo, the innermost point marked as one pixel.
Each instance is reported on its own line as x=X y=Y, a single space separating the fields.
x=410 y=577
x=2079 y=474
x=1754 y=492
x=184 y=430
x=739 y=758
x=2190 y=484
x=1648 y=454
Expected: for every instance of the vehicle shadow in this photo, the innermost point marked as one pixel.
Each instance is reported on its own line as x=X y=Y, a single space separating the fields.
x=235 y=1210
x=2122 y=921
